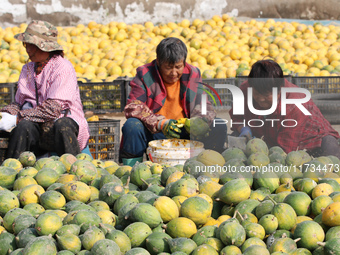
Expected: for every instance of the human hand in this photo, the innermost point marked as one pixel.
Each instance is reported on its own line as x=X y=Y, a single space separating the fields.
x=7 y=121
x=171 y=130
x=246 y=132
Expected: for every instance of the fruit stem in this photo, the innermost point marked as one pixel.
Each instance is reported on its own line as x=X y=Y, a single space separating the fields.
x=239 y=214
x=270 y=198
x=297 y=239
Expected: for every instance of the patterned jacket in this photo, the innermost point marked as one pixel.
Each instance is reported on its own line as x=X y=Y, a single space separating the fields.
x=148 y=95
x=57 y=91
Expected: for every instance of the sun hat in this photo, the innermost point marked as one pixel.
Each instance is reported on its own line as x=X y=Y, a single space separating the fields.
x=42 y=34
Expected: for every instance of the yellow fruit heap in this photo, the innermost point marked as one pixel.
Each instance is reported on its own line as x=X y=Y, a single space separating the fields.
x=222 y=47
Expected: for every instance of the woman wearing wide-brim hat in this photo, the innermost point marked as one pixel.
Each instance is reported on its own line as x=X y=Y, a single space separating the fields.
x=47 y=115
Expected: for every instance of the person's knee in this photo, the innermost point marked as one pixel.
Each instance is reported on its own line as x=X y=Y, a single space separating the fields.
x=133 y=126
x=63 y=123
x=25 y=125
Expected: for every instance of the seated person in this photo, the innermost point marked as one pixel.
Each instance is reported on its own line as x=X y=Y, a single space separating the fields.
x=47 y=115
x=163 y=92
x=311 y=132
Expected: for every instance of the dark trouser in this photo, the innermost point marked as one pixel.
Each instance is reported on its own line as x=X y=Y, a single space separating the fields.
x=329 y=146
x=26 y=136
x=136 y=138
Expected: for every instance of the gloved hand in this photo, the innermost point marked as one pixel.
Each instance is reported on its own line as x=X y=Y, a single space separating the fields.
x=170 y=129
x=246 y=132
x=7 y=121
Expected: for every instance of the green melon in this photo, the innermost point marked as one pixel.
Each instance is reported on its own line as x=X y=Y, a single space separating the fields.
x=256 y=145
x=110 y=192
x=230 y=250
x=41 y=162
x=91 y=236
x=157 y=243
x=232 y=153
x=25 y=236
x=69 y=242
x=34 y=209
x=69 y=229
x=184 y=187
x=22 y=222
x=105 y=247
x=333 y=232
x=43 y=245
x=120 y=238
x=85 y=219
x=140 y=172
x=27 y=158
x=256 y=249
x=122 y=200
x=232 y=233
x=48 y=223
x=46 y=177
x=9 y=217
x=182 y=244
x=8 y=201
x=311 y=233
x=265 y=207
x=300 y=202
x=57 y=166
x=204 y=249
x=27 y=171
x=23 y=181
x=7 y=243
x=7 y=177
x=285 y=244
x=269 y=222
x=285 y=215
x=52 y=200
x=254 y=230
x=193 y=167
x=252 y=241
x=137 y=233
x=210 y=158
x=147 y=214
x=204 y=233
x=234 y=191
x=137 y=251
x=268 y=180
x=248 y=205
x=84 y=169
x=75 y=190
x=197 y=209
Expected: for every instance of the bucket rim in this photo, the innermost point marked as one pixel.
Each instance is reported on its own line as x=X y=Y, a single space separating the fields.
x=196 y=144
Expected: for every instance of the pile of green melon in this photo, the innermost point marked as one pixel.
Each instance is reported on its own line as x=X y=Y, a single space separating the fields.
x=216 y=203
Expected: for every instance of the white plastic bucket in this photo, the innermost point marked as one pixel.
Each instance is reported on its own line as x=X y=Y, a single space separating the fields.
x=173 y=151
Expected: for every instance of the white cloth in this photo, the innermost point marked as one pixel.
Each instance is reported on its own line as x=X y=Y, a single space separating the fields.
x=7 y=121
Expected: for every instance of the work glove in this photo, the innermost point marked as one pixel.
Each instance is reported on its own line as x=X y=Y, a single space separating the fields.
x=171 y=130
x=246 y=132
x=7 y=121
x=183 y=122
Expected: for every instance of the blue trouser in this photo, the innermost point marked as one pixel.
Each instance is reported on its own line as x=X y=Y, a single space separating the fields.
x=136 y=138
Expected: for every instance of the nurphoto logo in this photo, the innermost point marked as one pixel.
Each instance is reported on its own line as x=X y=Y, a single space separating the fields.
x=238 y=104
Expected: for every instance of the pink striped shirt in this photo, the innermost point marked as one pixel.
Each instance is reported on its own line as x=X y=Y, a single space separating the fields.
x=57 y=82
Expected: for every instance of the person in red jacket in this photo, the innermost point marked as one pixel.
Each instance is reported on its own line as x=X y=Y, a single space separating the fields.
x=293 y=131
x=164 y=92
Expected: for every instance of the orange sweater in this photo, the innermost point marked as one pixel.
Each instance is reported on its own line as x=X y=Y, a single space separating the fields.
x=172 y=108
